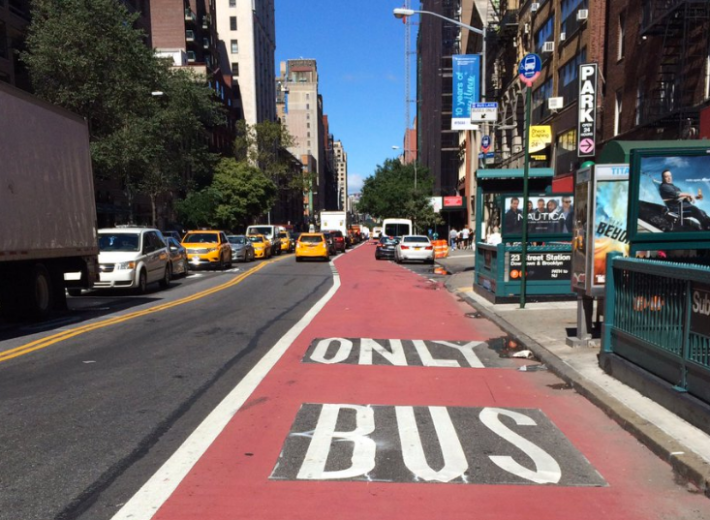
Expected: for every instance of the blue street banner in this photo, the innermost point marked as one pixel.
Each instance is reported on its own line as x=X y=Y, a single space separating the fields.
x=466 y=89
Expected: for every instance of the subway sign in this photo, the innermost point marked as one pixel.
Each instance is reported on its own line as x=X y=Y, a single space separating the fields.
x=587 y=107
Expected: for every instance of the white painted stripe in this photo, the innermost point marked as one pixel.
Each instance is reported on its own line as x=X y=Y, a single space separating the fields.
x=149 y=498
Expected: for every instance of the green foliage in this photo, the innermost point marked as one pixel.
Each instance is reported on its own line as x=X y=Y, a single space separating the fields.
x=86 y=55
x=390 y=193
x=238 y=194
x=198 y=209
x=244 y=193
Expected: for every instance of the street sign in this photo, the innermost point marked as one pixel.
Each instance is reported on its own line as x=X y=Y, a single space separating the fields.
x=485 y=143
x=587 y=111
x=482 y=112
x=529 y=68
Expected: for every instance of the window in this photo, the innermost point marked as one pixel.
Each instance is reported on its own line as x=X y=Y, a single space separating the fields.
x=622 y=34
x=3 y=40
x=309 y=134
x=235 y=69
x=539 y=101
x=569 y=84
x=234 y=44
x=617 y=111
x=544 y=34
x=308 y=106
x=232 y=23
x=232 y=3
x=567 y=142
x=568 y=12
x=308 y=125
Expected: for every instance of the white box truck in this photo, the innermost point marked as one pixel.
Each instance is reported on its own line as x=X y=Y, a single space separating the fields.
x=47 y=206
x=334 y=220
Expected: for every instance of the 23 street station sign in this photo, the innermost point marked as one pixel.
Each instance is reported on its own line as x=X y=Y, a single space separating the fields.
x=587 y=122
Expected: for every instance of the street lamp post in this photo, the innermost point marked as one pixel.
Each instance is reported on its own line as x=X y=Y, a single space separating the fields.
x=401 y=12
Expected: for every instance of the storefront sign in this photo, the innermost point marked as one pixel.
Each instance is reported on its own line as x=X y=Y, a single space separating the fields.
x=540 y=137
x=587 y=115
x=700 y=309
x=453 y=202
x=541 y=266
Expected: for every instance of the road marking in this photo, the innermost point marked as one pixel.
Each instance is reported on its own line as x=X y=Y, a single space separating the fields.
x=70 y=333
x=430 y=444
x=146 y=502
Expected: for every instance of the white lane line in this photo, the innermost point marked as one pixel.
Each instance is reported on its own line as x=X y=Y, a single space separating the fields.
x=149 y=498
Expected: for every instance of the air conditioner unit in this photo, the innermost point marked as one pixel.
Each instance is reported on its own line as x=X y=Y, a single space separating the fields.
x=582 y=14
x=563 y=36
x=526 y=28
x=555 y=103
x=534 y=7
x=548 y=46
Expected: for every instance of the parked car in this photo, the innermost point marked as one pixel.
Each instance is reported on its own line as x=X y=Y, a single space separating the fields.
x=414 y=247
x=312 y=245
x=338 y=239
x=385 y=247
x=287 y=242
x=262 y=246
x=178 y=257
x=242 y=248
x=173 y=234
x=133 y=258
x=270 y=232
x=330 y=240
x=208 y=248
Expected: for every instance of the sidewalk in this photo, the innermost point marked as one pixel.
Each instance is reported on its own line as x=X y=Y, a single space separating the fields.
x=543 y=328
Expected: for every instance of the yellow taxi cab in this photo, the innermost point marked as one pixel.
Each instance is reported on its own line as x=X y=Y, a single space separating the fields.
x=312 y=245
x=207 y=248
x=287 y=243
x=261 y=245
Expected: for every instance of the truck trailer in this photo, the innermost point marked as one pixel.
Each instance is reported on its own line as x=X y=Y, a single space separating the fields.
x=47 y=205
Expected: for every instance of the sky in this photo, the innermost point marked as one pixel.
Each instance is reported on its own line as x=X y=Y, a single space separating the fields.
x=359 y=48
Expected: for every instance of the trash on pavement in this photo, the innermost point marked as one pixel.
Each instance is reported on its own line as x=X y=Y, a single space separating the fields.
x=532 y=368
x=523 y=354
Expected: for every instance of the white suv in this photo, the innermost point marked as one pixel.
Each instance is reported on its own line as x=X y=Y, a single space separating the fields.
x=132 y=258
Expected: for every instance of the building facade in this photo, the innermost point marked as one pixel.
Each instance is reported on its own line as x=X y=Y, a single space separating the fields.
x=657 y=73
x=247 y=41
x=341 y=169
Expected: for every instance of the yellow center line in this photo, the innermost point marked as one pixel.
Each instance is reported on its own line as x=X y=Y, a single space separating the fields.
x=64 y=335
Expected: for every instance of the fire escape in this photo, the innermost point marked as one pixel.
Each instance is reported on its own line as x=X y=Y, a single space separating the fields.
x=683 y=27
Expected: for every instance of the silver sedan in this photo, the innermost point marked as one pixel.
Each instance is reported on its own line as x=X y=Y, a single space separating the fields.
x=242 y=250
x=414 y=247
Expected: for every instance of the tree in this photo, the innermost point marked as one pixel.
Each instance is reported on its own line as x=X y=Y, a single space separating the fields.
x=87 y=56
x=244 y=193
x=390 y=193
x=198 y=209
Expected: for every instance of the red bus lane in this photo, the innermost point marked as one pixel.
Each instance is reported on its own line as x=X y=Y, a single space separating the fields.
x=392 y=404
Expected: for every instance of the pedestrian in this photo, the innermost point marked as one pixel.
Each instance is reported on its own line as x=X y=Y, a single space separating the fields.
x=453 y=235
x=464 y=238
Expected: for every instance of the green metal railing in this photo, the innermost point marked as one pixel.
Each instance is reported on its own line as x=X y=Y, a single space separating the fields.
x=647 y=320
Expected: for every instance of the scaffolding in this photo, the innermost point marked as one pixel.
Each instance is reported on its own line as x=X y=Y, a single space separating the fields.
x=682 y=27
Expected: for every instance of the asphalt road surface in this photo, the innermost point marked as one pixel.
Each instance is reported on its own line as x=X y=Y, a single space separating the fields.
x=82 y=412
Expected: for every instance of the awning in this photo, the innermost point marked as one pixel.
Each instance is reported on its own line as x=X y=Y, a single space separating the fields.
x=514 y=173
x=619 y=152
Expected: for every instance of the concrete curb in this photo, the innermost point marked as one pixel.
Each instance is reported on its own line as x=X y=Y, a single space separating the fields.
x=686 y=464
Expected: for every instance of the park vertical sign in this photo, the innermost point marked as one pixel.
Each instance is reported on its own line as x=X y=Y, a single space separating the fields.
x=466 y=89
x=587 y=123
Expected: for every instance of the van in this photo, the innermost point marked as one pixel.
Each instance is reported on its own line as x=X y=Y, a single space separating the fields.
x=396 y=227
x=269 y=231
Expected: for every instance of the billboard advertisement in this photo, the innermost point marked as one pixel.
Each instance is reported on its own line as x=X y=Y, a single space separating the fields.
x=466 y=89
x=611 y=202
x=547 y=215
x=671 y=189
x=579 y=239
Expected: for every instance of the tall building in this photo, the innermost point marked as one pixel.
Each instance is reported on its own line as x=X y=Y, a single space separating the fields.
x=438 y=41
x=247 y=41
x=341 y=169
x=657 y=72
x=14 y=19
x=565 y=34
x=302 y=113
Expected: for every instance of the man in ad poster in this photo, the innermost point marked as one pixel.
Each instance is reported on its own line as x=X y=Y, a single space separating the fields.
x=671 y=194
x=548 y=218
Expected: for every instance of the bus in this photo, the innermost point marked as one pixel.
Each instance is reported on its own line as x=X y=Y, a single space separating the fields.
x=396 y=227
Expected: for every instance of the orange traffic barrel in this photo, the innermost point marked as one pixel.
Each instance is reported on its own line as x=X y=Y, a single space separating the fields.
x=441 y=249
